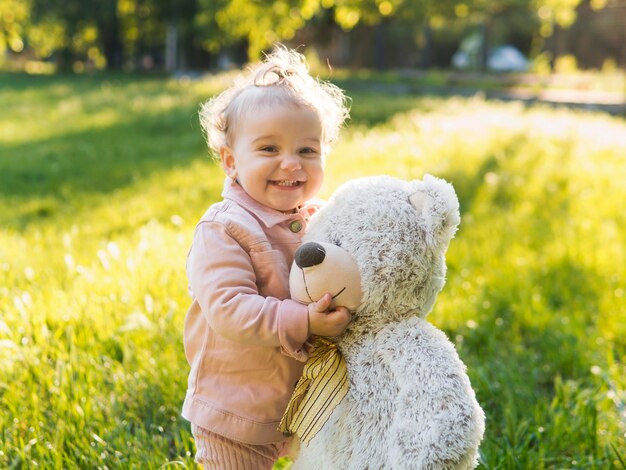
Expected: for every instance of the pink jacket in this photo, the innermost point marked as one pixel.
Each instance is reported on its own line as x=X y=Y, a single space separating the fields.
x=244 y=338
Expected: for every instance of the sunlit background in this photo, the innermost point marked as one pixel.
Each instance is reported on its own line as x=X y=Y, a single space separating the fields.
x=104 y=173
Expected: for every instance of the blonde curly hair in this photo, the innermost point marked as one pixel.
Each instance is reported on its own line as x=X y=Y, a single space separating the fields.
x=281 y=79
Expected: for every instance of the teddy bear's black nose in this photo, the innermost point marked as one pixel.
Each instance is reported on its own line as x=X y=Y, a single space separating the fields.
x=310 y=254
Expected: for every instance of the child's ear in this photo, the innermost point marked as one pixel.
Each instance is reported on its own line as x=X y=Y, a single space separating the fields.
x=228 y=161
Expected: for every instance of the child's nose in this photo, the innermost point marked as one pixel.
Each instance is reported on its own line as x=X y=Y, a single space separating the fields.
x=290 y=162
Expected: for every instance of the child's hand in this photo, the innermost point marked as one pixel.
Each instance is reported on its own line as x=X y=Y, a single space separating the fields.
x=325 y=323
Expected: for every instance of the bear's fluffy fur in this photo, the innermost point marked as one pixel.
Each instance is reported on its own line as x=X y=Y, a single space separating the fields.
x=410 y=404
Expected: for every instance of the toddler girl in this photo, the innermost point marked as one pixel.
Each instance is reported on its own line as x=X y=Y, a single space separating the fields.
x=245 y=340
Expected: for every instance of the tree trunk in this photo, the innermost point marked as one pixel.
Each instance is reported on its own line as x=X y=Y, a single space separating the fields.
x=426 y=54
x=556 y=46
x=380 y=34
x=171 y=47
x=485 y=47
x=65 y=59
x=109 y=29
x=66 y=56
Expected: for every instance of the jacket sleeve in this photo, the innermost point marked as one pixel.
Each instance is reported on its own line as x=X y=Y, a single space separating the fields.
x=223 y=281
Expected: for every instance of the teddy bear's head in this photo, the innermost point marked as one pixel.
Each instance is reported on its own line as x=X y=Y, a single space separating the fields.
x=378 y=247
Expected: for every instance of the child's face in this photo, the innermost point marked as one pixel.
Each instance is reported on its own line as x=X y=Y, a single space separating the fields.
x=277 y=156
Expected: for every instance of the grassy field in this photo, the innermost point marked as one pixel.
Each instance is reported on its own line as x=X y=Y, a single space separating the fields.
x=101 y=183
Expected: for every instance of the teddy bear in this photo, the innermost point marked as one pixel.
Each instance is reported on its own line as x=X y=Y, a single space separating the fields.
x=378 y=246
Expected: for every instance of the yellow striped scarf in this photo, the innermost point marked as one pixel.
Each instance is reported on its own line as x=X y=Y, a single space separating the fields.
x=321 y=388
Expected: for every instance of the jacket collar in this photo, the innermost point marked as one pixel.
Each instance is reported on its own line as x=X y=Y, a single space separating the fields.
x=269 y=217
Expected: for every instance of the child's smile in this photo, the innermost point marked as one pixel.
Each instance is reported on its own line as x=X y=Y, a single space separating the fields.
x=277 y=155
x=287 y=184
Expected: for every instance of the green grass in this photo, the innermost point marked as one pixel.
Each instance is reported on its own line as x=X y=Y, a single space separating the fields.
x=447 y=80
x=103 y=178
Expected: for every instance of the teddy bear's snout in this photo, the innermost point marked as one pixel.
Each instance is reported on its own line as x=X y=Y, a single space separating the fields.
x=309 y=254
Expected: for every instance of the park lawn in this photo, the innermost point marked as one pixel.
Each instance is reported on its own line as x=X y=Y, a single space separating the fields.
x=103 y=178
x=411 y=80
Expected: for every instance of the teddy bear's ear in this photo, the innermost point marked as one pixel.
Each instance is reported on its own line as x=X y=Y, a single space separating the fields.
x=436 y=200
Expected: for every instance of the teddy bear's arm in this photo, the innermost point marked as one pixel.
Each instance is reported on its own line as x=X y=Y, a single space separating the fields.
x=438 y=422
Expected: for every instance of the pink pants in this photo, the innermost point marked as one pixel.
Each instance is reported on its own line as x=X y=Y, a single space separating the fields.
x=219 y=453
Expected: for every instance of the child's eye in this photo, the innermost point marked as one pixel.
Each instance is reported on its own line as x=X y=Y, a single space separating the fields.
x=269 y=148
x=308 y=150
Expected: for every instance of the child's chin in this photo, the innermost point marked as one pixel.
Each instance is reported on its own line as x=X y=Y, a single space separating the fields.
x=287 y=206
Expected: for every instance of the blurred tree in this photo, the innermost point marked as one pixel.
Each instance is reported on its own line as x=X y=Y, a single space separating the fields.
x=538 y=18
x=114 y=32
x=259 y=22
x=105 y=15
x=178 y=17
x=490 y=14
x=66 y=14
x=14 y=20
x=554 y=17
x=425 y=15
x=87 y=29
